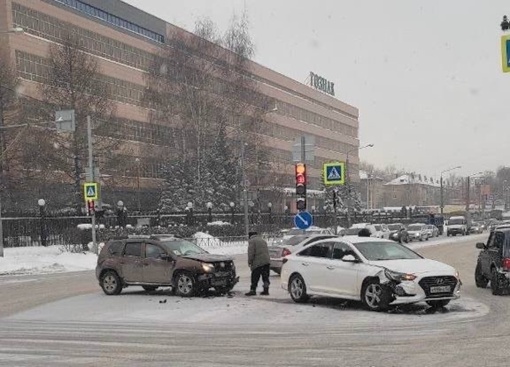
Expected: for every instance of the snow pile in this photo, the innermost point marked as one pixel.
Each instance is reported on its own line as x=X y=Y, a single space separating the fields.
x=39 y=260
x=85 y=226
x=205 y=240
x=216 y=246
x=218 y=223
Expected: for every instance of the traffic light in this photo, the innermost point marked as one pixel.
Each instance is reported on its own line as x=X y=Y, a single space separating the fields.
x=301 y=186
x=90 y=207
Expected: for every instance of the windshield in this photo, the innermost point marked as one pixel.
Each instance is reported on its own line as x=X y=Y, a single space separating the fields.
x=374 y=251
x=415 y=227
x=456 y=221
x=293 y=241
x=352 y=231
x=183 y=248
x=394 y=227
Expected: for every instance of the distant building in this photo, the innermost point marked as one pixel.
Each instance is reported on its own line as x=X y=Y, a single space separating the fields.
x=410 y=190
x=371 y=190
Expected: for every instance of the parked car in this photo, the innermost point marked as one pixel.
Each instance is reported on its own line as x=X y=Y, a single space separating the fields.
x=493 y=264
x=278 y=252
x=376 y=230
x=378 y=272
x=311 y=230
x=417 y=232
x=163 y=260
x=432 y=230
x=476 y=228
x=398 y=232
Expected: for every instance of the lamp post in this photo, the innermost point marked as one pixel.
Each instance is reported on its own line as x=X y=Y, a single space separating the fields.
x=232 y=211
x=442 y=188
x=42 y=212
x=468 y=188
x=348 y=181
x=209 y=212
x=137 y=160
x=189 y=209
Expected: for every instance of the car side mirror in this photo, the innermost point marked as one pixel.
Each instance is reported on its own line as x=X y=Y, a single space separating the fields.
x=480 y=245
x=350 y=259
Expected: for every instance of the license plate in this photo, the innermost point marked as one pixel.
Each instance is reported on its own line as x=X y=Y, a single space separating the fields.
x=442 y=289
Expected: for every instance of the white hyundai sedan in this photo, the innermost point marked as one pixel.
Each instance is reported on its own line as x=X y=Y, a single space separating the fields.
x=378 y=272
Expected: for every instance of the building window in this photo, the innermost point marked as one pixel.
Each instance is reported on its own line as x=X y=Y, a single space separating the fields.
x=112 y=19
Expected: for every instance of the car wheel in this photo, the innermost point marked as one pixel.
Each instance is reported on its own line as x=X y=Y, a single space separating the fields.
x=149 y=288
x=480 y=280
x=496 y=287
x=111 y=283
x=185 y=284
x=439 y=303
x=297 y=289
x=373 y=297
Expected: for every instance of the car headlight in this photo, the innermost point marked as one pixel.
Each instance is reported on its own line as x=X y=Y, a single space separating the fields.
x=397 y=276
x=208 y=268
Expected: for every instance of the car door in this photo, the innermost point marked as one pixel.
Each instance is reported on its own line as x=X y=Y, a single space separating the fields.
x=496 y=249
x=312 y=265
x=131 y=263
x=342 y=276
x=156 y=268
x=484 y=256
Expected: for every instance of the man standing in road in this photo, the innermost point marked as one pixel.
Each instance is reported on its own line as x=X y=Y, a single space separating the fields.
x=258 y=260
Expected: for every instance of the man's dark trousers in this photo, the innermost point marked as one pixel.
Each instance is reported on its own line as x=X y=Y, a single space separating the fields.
x=257 y=273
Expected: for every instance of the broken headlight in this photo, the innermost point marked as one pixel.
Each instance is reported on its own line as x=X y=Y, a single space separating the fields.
x=397 y=276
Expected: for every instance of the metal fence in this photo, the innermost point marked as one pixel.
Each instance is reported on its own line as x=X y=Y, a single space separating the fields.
x=224 y=227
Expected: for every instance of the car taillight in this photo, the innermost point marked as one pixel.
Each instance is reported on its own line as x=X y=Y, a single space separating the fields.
x=506 y=264
x=286 y=252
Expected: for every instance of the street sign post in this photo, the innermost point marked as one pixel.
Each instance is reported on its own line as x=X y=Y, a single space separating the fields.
x=334 y=173
x=90 y=191
x=505 y=52
x=303 y=220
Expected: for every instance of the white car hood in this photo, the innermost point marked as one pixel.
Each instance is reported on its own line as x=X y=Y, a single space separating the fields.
x=416 y=266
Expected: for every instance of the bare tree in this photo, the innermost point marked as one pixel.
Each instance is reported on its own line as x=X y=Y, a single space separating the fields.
x=202 y=89
x=73 y=82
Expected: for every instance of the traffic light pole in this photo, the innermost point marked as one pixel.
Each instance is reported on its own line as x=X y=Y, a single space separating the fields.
x=91 y=166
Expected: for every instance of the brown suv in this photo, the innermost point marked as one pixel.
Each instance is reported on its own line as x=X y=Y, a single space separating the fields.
x=163 y=260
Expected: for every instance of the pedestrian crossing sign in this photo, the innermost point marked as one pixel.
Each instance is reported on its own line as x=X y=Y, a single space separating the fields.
x=334 y=173
x=90 y=191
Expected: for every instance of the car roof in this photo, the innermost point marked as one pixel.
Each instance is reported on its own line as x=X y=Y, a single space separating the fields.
x=358 y=239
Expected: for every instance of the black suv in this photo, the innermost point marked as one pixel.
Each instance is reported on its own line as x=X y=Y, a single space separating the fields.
x=494 y=262
x=163 y=260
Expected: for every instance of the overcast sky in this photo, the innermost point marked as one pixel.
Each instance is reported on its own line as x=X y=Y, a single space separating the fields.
x=425 y=75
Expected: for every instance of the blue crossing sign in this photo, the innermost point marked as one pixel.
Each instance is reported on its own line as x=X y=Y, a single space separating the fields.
x=334 y=173
x=90 y=191
x=505 y=52
x=303 y=220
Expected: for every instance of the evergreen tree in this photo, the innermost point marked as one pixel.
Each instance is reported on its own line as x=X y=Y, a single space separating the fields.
x=179 y=186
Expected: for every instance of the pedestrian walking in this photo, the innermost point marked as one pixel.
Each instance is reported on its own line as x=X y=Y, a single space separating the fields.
x=258 y=260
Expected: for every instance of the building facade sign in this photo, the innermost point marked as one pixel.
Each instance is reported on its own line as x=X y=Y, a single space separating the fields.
x=322 y=84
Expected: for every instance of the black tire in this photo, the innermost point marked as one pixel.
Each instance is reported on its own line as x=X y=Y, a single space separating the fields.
x=496 y=287
x=111 y=283
x=150 y=288
x=185 y=284
x=297 y=289
x=438 y=304
x=373 y=297
x=480 y=280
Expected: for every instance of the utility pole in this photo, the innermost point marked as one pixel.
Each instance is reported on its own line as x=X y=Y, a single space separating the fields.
x=91 y=167
x=245 y=191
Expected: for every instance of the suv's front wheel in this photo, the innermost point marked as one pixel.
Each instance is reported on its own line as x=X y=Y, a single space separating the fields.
x=185 y=284
x=480 y=280
x=111 y=283
x=496 y=280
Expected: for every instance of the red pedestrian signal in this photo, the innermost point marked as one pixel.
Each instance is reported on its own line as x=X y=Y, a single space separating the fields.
x=301 y=186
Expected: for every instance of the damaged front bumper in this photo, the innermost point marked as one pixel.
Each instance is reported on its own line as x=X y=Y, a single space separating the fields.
x=218 y=280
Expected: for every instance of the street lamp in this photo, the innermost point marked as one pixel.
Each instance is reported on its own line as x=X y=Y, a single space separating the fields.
x=441 y=183
x=348 y=181
x=209 y=211
x=232 y=209
x=137 y=160
x=468 y=189
x=189 y=209
x=42 y=212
